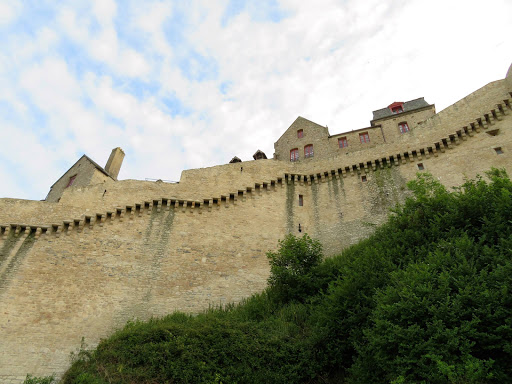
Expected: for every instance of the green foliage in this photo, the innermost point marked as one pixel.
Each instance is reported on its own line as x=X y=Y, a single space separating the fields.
x=426 y=299
x=292 y=268
x=39 y=380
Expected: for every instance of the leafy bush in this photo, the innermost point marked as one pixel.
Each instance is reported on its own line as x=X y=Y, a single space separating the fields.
x=292 y=268
x=39 y=380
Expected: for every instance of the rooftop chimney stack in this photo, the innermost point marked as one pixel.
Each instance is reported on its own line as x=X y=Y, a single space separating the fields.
x=114 y=162
x=509 y=75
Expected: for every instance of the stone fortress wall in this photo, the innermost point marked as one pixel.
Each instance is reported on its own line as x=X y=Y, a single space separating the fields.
x=107 y=251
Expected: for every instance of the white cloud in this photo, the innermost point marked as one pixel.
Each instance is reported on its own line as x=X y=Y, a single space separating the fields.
x=103 y=45
x=9 y=11
x=330 y=61
x=104 y=11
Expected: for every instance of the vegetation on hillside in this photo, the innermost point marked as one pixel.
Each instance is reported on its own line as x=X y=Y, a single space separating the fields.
x=426 y=299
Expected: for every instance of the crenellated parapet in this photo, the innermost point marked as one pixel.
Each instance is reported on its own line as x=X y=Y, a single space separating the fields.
x=410 y=154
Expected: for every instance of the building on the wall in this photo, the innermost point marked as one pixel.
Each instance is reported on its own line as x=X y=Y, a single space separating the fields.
x=306 y=140
x=87 y=172
x=101 y=251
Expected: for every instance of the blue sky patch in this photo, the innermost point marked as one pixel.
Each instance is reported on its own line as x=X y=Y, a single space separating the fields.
x=261 y=11
x=225 y=86
x=175 y=106
x=197 y=67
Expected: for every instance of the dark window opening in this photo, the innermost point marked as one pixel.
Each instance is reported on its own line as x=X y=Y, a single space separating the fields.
x=498 y=150
x=363 y=179
x=420 y=166
x=71 y=181
x=301 y=200
x=494 y=132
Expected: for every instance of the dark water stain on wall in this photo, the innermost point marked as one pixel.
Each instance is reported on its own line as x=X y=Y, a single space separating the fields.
x=290 y=199
x=13 y=263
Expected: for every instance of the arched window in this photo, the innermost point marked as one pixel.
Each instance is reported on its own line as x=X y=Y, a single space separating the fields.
x=294 y=154
x=308 y=151
x=403 y=127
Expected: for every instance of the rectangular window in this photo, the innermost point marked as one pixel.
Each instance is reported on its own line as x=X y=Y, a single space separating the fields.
x=294 y=154
x=403 y=127
x=420 y=167
x=301 y=201
x=498 y=150
x=308 y=151
x=342 y=142
x=397 y=110
x=363 y=179
x=364 y=137
x=71 y=181
x=300 y=133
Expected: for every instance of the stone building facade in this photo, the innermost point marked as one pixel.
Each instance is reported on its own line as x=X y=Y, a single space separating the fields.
x=305 y=140
x=101 y=251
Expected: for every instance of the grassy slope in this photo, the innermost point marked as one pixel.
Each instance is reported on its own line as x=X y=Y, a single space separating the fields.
x=425 y=299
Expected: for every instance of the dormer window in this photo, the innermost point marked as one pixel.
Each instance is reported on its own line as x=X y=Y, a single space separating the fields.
x=294 y=154
x=300 y=134
x=396 y=107
x=308 y=151
x=403 y=127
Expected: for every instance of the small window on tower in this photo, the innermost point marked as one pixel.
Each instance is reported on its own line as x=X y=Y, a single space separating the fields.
x=308 y=151
x=300 y=133
x=498 y=150
x=301 y=200
x=403 y=127
x=294 y=154
x=363 y=179
x=342 y=142
x=364 y=137
x=71 y=181
x=420 y=167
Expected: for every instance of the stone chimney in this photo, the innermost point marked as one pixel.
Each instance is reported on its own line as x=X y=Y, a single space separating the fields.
x=114 y=162
x=509 y=76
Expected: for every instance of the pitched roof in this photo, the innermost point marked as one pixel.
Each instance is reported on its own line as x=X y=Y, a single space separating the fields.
x=299 y=118
x=96 y=165
x=407 y=106
x=259 y=155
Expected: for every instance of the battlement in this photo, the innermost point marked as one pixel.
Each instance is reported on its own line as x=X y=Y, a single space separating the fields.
x=409 y=154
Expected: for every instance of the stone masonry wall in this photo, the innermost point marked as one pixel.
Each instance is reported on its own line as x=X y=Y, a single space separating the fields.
x=110 y=252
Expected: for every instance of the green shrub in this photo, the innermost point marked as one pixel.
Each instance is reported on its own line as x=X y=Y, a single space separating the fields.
x=292 y=268
x=40 y=380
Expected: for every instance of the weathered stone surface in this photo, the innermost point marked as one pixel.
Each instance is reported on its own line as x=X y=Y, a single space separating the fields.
x=105 y=251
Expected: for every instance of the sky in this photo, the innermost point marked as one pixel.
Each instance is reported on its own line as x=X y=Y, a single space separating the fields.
x=190 y=84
